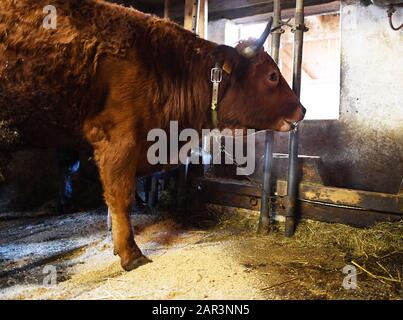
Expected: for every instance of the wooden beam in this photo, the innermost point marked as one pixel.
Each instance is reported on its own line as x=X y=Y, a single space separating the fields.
x=356 y=218
x=353 y=217
x=196 y=17
x=235 y=9
x=190 y=15
x=222 y=6
x=314 y=193
x=318 y=9
x=335 y=205
x=203 y=19
x=358 y=199
x=255 y=8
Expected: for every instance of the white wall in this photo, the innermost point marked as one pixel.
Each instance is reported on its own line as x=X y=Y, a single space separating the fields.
x=223 y=32
x=372 y=67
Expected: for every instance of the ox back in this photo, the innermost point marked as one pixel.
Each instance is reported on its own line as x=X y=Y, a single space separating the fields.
x=49 y=81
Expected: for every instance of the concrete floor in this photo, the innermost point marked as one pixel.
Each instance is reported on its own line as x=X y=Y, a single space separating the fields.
x=187 y=263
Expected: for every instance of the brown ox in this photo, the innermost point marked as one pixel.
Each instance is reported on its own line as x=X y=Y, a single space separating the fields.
x=111 y=74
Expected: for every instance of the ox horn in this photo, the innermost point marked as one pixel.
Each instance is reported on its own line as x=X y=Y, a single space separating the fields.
x=252 y=50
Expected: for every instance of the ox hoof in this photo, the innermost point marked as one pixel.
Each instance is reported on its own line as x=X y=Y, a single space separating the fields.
x=134 y=264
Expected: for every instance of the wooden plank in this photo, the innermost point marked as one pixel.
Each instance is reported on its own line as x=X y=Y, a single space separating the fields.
x=235 y=9
x=353 y=217
x=189 y=16
x=209 y=186
x=317 y=202
x=231 y=200
x=356 y=218
x=226 y=5
x=319 y=9
x=309 y=192
x=345 y=197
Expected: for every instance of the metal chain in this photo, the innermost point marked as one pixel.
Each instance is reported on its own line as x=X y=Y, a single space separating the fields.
x=230 y=156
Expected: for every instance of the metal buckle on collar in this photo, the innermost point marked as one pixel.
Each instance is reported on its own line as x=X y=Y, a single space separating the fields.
x=216 y=78
x=216 y=75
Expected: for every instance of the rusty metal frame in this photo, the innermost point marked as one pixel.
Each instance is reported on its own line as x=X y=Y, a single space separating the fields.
x=314 y=201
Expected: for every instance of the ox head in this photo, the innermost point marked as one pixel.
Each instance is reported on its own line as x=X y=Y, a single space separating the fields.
x=258 y=96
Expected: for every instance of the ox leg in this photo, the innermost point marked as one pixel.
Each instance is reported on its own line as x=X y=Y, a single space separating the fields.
x=117 y=168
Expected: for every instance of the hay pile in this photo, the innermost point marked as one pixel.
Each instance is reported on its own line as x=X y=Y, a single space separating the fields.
x=385 y=237
x=7 y=136
x=376 y=252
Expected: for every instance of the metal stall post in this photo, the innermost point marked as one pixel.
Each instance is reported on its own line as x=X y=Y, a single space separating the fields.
x=292 y=189
x=167 y=9
x=203 y=19
x=276 y=35
x=192 y=11
x=191 y=22
x=265 y=209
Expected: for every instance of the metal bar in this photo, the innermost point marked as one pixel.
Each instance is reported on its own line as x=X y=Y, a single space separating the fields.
x=293 y=185
x=265 y=212
x=264 y=221
x=191 y=22
x=192 y=10
x=299 y=30
x=167 y=9
x=153 y=196
x=147 y=188
x=276 y=35
x=203 y=19
x=195 y=24
x=182 y=188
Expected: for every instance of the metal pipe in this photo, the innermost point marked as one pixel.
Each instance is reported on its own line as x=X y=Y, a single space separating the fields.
x=167 y=9
x=153 y=195
x=191 y=23
x=292 y=191
x=192 y=10
x=203 y=19
x=196 y=10
x=264 y=221
x=276 y=35
x=265 y=209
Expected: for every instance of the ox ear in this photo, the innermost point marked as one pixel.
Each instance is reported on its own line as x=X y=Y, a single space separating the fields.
x=230 y=59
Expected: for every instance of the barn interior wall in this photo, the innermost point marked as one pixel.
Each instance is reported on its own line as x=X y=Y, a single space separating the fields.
x=364 y=149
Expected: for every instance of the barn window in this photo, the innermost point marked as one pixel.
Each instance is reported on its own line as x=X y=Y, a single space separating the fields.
x=321 y=61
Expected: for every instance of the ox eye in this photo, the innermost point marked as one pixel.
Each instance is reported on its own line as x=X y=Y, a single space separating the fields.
x=273 y=76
